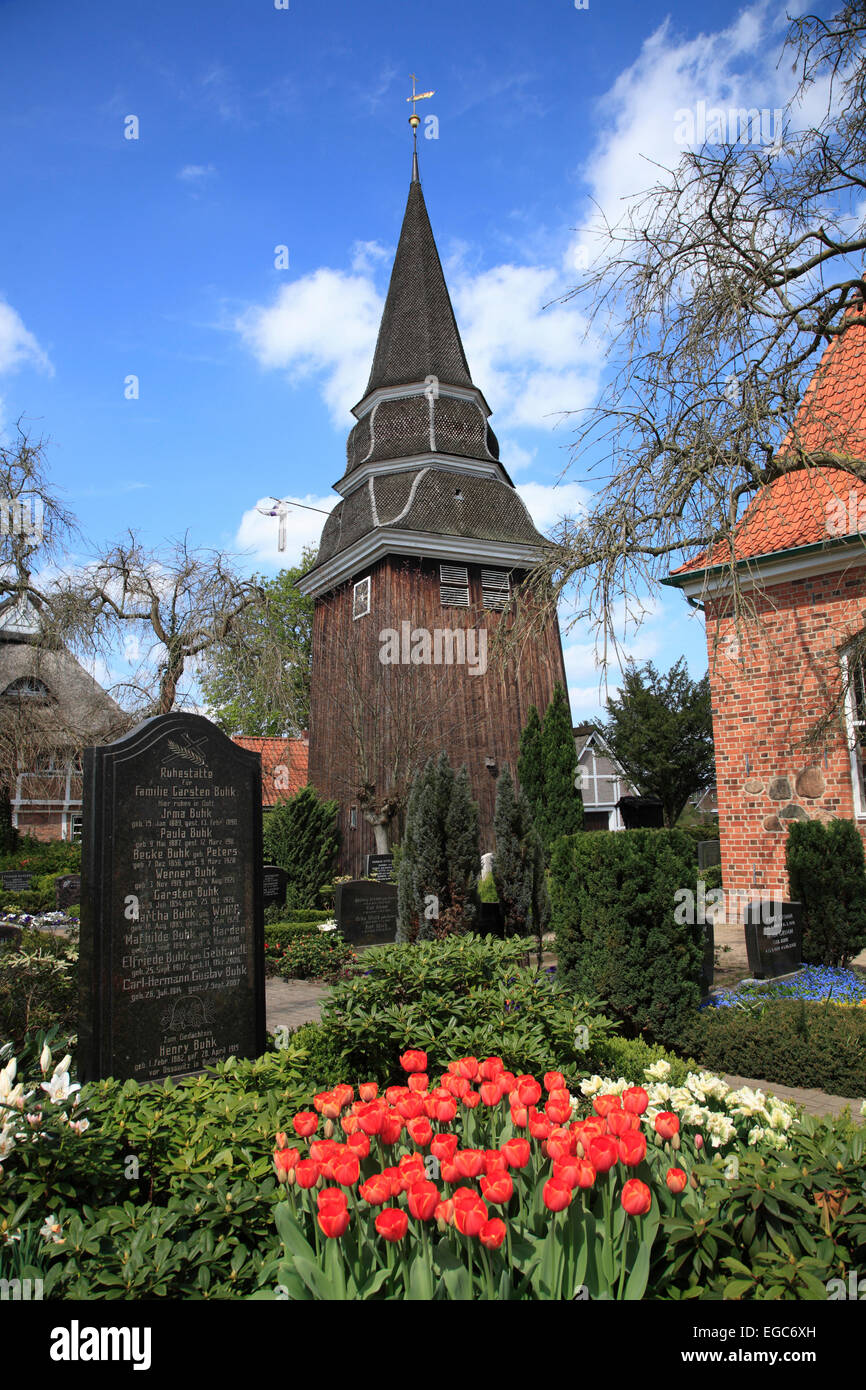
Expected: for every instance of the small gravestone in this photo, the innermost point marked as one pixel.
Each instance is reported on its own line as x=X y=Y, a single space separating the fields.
x=366 y=913
x=67 y=891
x=172 y=939
x=379 y=866
x=274 y=881
x=16 y=881
x=709 y=853
x=10 y=937
x=774 y=940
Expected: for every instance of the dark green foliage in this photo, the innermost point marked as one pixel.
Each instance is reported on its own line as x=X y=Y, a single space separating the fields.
x=38 y=985
x=43 y=856
x=8 y=833
x=438 y=875
x=301 y=836
x=562 y=807
x=518 y=865
x=466 y=995
x=616 y=937
x=530 y=765
x=660 y=731
x=789 y=1042
x=629 y=1057
x=314 y=956
x=827 y=875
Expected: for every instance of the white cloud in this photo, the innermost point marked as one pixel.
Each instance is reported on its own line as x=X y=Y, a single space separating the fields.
x=260 y=534
x=514 y=457
x=547 y=503
x=324 y=323
x=17 y=344
x=196 y=173
x=366 y=255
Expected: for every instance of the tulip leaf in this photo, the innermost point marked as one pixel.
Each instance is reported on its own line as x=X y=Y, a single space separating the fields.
x=314 y=1279
x=290 y=1233
x=639 y=1274
x=420 y=1279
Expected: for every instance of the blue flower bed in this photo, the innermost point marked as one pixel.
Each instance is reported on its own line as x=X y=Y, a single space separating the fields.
x=815 y=982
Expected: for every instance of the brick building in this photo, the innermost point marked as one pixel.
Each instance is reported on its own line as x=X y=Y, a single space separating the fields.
x=800 y=549
x=284 y=766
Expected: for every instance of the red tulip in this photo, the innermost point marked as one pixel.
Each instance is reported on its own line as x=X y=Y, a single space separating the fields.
x=557 y=1111
x=444 y=1214
x=284 y=1162
x=307 y=1173
x=331 y=1197
x=604 y=1104
x=371 y=1116
x=497 y=1187
x=492 y=1068
x=344 y=1094
x=676 y=1180
x=539 y=1125
x=491 y=1092
x=410 y=1106
x=419 y=1081
x=519 y=1113
x=468 y=1067
x=585 y=1173
x=392 y=1127
x=618 y=1122
x=368 y=1090
x=667 y=1124
x=394 y=1094
x=495 y=1161
x=376 y=1190
x=449 y=1172
x=517 y=1152
x=699 y=1141
x=603 y=1153
x=553 y=1081
x=492 y=1234
x=444 y=1146
x=566 y=1171
x=635 y=1100
x=422 y=1199
x=359 y=1144
x=414 y=1061
x=395 y=1179
x=346 y=1169
x=443 y=1111
x=590 y=1129
x=528 y=1090
x=333 y=1221
x=507 y=1081
x=392 y=1224
x=411 y=1169
x=469 y=1218
x=420 y=1131
x=305 y=1123
x=632 y=1148
x=560 y=1145
x=469 y=1162
x=281 y=1140
x=557 y=1195
x=349 y=1124
x=471 y=1100
x=636 y=1197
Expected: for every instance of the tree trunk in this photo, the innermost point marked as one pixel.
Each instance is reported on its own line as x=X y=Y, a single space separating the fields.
x=380 y=830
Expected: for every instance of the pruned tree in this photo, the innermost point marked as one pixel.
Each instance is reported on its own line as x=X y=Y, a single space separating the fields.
x=716 y=293
x=437 y=891
x=518 y=865
x=166 y=608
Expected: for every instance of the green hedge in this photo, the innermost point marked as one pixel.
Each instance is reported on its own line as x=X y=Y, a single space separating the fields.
x=613 y=900
x=43 y=857
x=791 y=1043
x=827 y=874
x=629 y=1057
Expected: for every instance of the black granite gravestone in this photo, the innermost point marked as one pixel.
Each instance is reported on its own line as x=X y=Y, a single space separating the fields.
x=16 y=881
x=367 y=912
x=774 y=941
x=379 y=866
x=67 y=891
x=274 y=880
x=172 y=941
x=709 y=853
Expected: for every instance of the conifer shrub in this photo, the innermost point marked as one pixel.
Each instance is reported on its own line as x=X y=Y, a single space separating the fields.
x=546 y=771
x=518 y=865
x=301 y=836
x=827 y=874
x=437 y=889
x=613 y=900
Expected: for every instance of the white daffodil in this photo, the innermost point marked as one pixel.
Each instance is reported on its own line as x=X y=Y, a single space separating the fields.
x=681 y=1096
x=58 y=1088
x=694 y=1115
x=592 y=1085
x=52 y=1230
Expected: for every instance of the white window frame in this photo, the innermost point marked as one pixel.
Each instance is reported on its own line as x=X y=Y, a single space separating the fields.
x=853 y=726
x=454 y=586
x=361 y=598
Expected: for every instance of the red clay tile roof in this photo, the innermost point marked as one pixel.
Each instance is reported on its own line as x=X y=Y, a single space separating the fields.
x=819 y=503
x=284 y=765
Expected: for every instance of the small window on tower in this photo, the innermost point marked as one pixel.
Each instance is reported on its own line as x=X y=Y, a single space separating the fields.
x=454 y=586
x=495 y=588
x=361 y=598
x=353 y=818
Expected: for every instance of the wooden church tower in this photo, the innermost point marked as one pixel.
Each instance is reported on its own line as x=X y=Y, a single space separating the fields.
x=415 y=565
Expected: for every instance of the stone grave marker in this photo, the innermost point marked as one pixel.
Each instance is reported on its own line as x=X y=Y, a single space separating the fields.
x=16 y=881
x=366 y=913
x=379 y=866
x=274 y=880
x=709 y=853
x=774 y=947
x=172 y=941
x=67 y=891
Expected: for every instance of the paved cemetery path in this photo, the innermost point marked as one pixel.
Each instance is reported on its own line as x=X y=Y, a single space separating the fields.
x=292 y=1002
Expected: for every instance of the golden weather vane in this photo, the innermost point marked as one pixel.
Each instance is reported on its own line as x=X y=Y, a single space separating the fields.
x=415 y=119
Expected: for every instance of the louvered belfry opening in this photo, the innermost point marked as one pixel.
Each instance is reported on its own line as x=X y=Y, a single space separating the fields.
x=429 y=536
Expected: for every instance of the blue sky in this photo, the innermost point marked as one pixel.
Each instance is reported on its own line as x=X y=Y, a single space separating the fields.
x=260 y=127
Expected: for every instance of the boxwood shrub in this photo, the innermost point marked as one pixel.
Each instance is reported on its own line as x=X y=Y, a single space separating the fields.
x=613 y=900
x=792 y=1043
